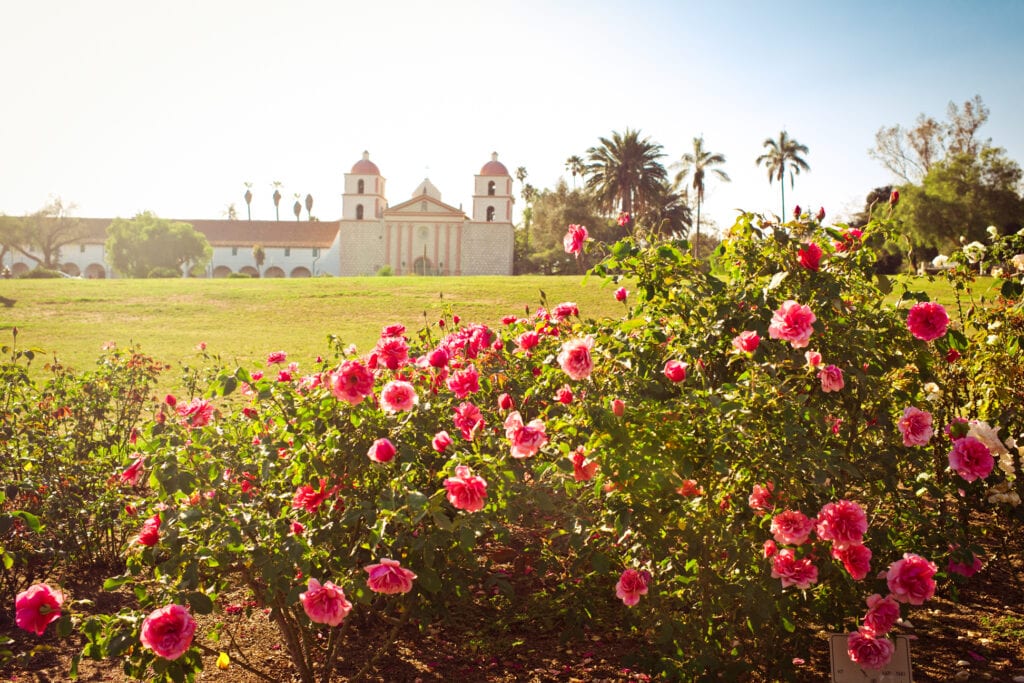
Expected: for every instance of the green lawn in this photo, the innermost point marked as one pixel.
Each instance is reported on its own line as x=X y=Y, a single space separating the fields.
x=243 y=320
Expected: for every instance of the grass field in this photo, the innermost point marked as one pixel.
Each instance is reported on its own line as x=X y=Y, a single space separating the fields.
x=243 y=320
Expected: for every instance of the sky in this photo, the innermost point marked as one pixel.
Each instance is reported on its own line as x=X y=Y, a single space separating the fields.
x=122 y=106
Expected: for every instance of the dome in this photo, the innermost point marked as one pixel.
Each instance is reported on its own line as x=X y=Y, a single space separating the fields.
x=494 y=167
x=366 y=167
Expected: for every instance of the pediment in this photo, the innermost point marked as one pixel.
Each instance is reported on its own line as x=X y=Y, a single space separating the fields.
x=424 y=204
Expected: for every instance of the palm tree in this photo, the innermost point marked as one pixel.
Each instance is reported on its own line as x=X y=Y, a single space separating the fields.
x=277 y=199
x=700 y=161
x=575 y=166
x=248 y=200
x=781 y=152
x=624 y=171
x=668 y=211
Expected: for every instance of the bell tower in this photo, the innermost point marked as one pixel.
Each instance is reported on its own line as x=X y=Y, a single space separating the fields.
x=363 y=198
x=492 y=193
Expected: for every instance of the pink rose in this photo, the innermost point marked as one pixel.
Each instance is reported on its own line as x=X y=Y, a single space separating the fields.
x=618 y=407
x=813 y=359
x=277 y=357
x=574 y=239
x=196 y=413
x=831 y=378
x=915 y=426
x=352 y=382
x=768 y=548
x=574 y=358
x=309 y=499
x=564 y=394
x=382 y=450
x=168 y=631
x=469 y=420
x=439 y=357
x=927 y=320
x=856 y=560
x=746 y=341
x=971 y=459
x=675 y=370
x=869 y=652
x=441 y=441
x=526 y=439
x=582 y=469
x=389 y=577
x=527 y=340
x=505 y=402
x=565 y=310
x=760 y=499
x=37 y=607
x=810 y=256
x=624 y=219
x=792 y=323
x=150 y=534
x=392 y=351
x=464 y=382
x=465 y=490
x=791 y=527
x=392 y=330
x=882 y=615
x=621 y=293
x=965 y=569
x=793 y=572
x=910 y=579
x=821 y=214
x=843 y=523
x=324 y=604
x=398 y=396
x=631 y=585
x=133 y=475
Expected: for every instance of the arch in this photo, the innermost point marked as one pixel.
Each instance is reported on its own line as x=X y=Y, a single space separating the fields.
x=490 y=188
x=360 y=186
x=221 y=271
x=359 y=212
x=71 y=269
x=95 y=271
x=490 y=214
x=273 y=271
x=422 y=266
x=19 y=268
x=249 y=270
x=301 y=271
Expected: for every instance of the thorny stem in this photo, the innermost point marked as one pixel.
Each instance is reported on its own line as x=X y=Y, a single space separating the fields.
x=388 y=642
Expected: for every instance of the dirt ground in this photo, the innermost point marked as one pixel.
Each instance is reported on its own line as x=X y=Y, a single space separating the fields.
x=980 y=637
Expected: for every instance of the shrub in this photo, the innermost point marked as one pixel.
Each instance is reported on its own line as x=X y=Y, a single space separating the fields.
x=163 y=272
x=239 y=276
x=40 y=273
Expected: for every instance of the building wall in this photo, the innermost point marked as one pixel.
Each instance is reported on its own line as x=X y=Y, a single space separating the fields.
x=487 y=248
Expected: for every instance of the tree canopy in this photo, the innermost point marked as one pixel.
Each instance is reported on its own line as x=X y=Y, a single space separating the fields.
x=783 y=155
x=146 y=243
x=551 y=211
x=624 y=172
x=41 y=235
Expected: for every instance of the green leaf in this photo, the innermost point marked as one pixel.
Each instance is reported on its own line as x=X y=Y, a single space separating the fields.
x=200 y=602
x=116 y=582
x=442 y=521
x=957 y=340
x=777 y=280
x=787 y=624
x=31 y=521
x=600 y=563
x=1012 y=289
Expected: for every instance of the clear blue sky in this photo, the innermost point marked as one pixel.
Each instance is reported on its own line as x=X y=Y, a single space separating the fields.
x=124 y=105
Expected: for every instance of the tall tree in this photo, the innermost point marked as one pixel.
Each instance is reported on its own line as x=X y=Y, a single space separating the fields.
x=41 y=235
x=146 y=243
x=575 y=166
x=624 y=172
x=551 y=211
x=783 y=155
x=910 y=153
x=309 y=207
x=699 y=163
x=248 y=200
x=277 y=199
x=259 y=255
x=668 y=211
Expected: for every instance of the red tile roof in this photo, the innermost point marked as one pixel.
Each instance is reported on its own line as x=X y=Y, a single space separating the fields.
x=240 y=233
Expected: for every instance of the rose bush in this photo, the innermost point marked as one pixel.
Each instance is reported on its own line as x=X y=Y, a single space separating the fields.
x=734 y=459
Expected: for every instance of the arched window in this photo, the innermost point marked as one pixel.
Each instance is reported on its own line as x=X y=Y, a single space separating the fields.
x=490 y=214
x=359 y=211
x=360 y=187
x=490 y=189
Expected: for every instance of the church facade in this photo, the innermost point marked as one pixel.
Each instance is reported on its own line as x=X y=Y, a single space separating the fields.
x=421 y=235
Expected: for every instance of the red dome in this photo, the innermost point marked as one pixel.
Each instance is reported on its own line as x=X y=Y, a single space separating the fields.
x=365 y=167
x=494 y=167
